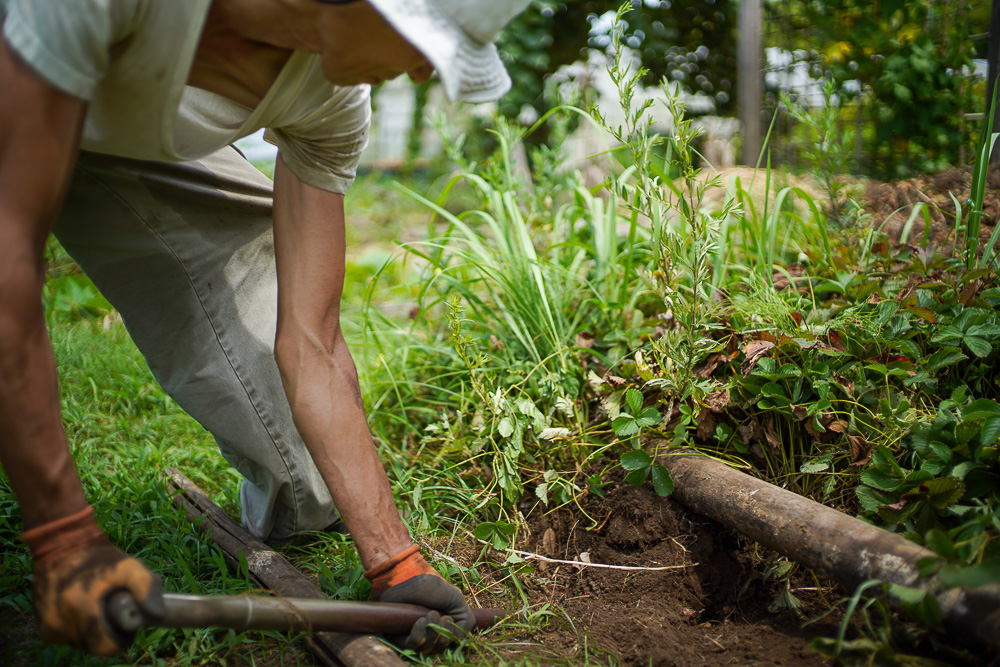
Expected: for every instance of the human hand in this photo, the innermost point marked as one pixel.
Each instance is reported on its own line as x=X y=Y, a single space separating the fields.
x=407 y=578
x=76 y=568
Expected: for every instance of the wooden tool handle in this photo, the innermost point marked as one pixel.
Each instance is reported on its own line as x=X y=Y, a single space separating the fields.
x=249 y=612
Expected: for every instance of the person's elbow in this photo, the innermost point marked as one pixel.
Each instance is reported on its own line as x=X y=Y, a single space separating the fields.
x=22 y=274
x=301 y=346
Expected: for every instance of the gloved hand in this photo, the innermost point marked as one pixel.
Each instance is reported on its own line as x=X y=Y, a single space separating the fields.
x=407 y=578
x=76 y=568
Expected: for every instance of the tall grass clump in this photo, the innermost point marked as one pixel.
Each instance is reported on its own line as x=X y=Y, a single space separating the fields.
x=505 y=295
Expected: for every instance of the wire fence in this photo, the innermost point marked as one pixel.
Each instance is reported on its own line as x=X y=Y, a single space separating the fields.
x=796 y=64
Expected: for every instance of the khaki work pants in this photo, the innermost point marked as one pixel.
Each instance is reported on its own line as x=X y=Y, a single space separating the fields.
x=184 y=251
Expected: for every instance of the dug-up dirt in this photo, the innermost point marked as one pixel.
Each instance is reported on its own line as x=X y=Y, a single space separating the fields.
x=891 y=204
x=711 y=607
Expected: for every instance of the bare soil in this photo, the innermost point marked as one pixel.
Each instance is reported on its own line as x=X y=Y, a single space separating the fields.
x=893 y=203
x=710 y=608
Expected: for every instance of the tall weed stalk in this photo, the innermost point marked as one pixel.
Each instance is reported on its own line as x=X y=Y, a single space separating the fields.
x=662 y=188
x=984 y=151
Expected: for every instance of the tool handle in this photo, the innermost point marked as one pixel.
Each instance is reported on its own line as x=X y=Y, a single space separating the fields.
x=244 y=612
x=487 y=618
x=122 y=613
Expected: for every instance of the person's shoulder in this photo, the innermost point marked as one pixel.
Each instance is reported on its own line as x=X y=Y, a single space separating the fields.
x=79 y=16
x=70 y=42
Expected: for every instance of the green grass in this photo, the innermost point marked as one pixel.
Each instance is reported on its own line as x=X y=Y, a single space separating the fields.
x=124 y=432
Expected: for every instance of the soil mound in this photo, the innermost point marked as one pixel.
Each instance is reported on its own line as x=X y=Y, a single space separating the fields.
x=893 y=203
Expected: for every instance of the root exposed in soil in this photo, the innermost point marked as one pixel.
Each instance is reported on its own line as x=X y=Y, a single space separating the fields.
x=713 y=610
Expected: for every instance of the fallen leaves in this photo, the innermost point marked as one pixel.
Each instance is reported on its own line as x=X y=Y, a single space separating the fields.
x=753 y=351
x=861 y=450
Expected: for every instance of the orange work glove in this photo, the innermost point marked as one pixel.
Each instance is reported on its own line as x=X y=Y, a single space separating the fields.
x=407 y=578
x=76 y=568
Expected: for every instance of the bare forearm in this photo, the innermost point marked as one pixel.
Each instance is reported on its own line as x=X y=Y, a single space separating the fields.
x=322 y=386
x=33 y=447
x=38 y=144
x=316 y=366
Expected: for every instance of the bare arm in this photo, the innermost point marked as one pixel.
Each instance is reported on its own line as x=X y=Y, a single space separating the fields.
x=316 y=367
x=74 y=564
x=39 y=136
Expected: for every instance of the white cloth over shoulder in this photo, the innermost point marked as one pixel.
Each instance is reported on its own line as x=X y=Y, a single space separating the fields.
x=130 y=59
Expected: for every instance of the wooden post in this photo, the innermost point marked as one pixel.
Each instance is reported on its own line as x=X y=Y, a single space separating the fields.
x=993 y=70
x=751 y=89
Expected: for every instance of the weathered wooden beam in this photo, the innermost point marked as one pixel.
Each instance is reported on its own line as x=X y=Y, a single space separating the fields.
x=827 y=541
x=272 y=571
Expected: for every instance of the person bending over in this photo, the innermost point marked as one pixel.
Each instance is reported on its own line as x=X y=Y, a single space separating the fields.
x=117 y=121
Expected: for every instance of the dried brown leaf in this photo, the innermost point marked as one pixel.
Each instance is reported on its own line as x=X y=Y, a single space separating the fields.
x=706 y=369
x=821 y=436
x=861 y=450
x=838 y=426
x=969 y=292
x=754 y=350
x=706 y=425
x=718 y=400
x=549 y=547
x=771 y=436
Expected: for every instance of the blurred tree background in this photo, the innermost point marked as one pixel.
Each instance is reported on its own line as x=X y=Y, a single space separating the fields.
x=907 y=62
x=692 y=42
x=900 y=70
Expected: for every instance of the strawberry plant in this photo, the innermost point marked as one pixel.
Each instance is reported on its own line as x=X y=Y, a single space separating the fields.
x=639 y=464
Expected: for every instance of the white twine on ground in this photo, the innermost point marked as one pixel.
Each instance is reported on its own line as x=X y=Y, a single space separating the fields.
x=440 y=554
x=582 y=563
x=557 y=561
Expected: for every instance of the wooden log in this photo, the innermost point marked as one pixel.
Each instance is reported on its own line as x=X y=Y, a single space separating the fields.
x=272 y=571
x=827 y=541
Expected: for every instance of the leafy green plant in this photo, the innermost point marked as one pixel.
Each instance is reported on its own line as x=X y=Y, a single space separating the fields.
x=868 y=609
x=640 y=465
x=630 y=424
x=829 y=151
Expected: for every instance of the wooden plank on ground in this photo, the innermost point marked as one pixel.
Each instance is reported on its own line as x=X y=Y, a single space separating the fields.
x=272 y=571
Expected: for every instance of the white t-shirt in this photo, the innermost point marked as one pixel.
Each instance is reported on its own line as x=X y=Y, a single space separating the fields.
x=130 y=60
